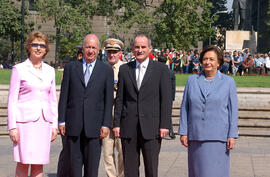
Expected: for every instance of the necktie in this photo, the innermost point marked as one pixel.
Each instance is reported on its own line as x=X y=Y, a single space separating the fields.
x=139 y=78
x=87 y=74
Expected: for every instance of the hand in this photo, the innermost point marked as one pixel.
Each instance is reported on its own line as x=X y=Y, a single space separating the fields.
x=54 y=134
x=104 y=132
x=184 y=140
x=163 y=132
x=14 y=135
x=116 y=132
x=62 y=129
x=231 y=143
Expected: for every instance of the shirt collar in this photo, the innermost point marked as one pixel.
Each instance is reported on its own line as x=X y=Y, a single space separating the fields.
x=144 y=63
x=92 y=63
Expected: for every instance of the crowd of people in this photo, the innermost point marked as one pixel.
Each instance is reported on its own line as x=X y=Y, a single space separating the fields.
x=235 y=62
x=122 y=106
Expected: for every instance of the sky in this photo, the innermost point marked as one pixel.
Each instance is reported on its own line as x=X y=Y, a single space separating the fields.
x=229 y=5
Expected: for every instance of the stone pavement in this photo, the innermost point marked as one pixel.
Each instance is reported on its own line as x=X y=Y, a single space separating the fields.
x=251 y=158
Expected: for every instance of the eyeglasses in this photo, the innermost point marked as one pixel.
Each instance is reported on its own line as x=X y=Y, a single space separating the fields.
x=35 y=45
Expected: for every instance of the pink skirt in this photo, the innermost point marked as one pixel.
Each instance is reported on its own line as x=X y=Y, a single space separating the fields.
x=34 y=143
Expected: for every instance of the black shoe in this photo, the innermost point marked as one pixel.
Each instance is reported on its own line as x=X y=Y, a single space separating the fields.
x=172 y=136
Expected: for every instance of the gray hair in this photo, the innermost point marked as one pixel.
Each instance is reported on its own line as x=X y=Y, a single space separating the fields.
x=142 y=35
x=88 y=35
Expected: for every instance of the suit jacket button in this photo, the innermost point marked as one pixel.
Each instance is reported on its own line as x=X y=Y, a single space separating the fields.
x=203 y=102
x=203 y=110
x=203 y=118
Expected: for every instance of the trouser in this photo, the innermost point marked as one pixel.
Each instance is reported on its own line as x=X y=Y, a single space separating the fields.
x=109 y=144
x=131 y=152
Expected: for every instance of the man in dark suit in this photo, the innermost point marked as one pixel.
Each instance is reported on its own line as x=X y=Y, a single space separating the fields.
x=239 y=9
x=142 y=109
x=85 y=108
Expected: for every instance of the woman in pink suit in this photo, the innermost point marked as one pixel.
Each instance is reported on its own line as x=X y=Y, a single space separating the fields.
x=32 y=108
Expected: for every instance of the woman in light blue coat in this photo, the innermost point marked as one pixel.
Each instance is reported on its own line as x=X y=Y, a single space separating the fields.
x=209 y=118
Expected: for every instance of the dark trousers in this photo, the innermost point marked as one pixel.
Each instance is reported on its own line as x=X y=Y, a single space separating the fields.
x=83 y=151
x=131 y=154
x=63 y=165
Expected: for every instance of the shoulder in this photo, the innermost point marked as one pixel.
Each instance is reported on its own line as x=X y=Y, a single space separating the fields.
x=226 y=78
x=48 y=67
x=127 y=66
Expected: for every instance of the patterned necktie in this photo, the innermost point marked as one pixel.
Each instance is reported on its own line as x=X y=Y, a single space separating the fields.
x=87 y=74
x=139 y=78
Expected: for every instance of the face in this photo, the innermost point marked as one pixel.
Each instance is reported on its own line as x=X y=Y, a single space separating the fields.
x=90 y=48
x=113 y=56
x=141 y=49
x=37 y=49
x=210 y=62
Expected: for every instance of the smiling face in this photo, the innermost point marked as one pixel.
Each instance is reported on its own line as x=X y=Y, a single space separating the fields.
x=90 y=48
x=141 y=48
x=210 y=62
x=37 y=49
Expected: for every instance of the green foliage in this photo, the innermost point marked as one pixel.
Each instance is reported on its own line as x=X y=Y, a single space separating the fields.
x=181 y=24
x=71 y=20
x=10 y=25
x=175 y=23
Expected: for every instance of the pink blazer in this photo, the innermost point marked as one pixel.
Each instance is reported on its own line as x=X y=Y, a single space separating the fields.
x=32 y=94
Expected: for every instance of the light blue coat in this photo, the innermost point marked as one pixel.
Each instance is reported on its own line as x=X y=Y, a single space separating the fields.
x=209 y=116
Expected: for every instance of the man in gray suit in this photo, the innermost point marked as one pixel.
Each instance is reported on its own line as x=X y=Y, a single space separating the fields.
x=239 y=8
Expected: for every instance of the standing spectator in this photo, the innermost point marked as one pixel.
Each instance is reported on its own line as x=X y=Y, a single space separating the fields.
x=226 y=64
x=267 y=63
x=142 y=109
x=209 y=118
x=32 y=108
x=196 y=63
x=111 y=143
x=85 y=108
x=235 y=63
x=259 y=64
x=185 y=61
x=178 y=64
x=247 y=65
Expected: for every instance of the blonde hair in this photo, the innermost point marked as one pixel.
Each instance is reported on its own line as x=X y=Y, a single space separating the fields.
x=39 y=36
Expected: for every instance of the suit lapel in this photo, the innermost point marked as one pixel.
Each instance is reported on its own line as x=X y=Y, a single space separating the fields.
x=79 y=69
x=32 y=70
x=147 y=74
x=201 y=84
x=132 y=73
x=216 y=81
x=95 y=73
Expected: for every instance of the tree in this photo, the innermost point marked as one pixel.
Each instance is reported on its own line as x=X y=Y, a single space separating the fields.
x=175 y=23
x=181 y=24
x=72 y=20
x=10 y=24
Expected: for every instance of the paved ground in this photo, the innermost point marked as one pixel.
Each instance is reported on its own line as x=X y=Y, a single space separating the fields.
x=251 y=158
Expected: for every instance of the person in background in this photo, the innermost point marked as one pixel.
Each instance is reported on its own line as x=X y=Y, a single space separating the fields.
x=209 y=118
x=235 y=62
x=113 y=48
x=172 y=78
x=32 y=108
x=259 y=64
x=267 y=63
x=226 y=64
x=247 y=65
x=196 y=63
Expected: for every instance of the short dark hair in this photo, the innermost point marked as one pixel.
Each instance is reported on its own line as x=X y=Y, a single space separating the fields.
x=216 y=50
